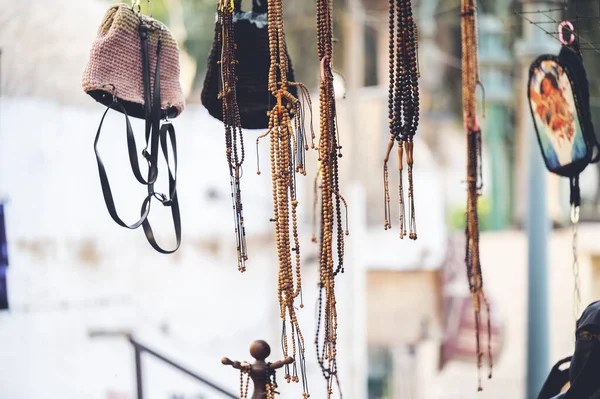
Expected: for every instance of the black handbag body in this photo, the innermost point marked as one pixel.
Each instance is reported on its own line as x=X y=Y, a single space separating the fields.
x=252 y=70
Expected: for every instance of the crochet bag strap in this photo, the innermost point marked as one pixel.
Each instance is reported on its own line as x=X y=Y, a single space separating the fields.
x=155 y=135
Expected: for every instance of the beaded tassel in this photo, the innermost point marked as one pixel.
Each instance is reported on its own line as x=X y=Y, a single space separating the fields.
x=232 y=122
x=403 y=109
x=331 y=202
x=470 y=79
x=287 y=148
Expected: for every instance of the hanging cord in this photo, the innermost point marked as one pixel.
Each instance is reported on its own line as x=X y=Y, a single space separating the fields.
x=576 y=278
x=575 y=204
x=134 y=4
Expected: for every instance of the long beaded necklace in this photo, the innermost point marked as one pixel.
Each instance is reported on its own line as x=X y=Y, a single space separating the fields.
x=403 y=108
x=245 y=371
x=331 y=201
x=271 y=385
x=287 y=147
x=470 y=80
x=231 y=120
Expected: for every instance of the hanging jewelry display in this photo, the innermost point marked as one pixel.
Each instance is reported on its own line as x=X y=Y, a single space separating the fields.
x=287 y=148
x=403 y=108
x=559 y=102
x=236 y=89
x=332 y=232
x=470 y=80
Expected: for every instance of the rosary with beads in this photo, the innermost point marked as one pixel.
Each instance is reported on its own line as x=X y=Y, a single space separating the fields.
x=332 y=230
x=287 y=148
x=403 y=108
x=470 y=80
x=231 y=120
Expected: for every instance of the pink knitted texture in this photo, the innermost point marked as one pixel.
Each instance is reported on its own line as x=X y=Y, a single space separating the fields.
x=116 y=59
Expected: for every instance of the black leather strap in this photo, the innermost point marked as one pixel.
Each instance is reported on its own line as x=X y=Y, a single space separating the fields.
x=106 y=191
x=575 y=192
x=157 y=138
x=151 y=136
x=167 y=130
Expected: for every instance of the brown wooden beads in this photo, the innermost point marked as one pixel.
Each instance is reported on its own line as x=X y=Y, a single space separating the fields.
x=403 y=108
x=287 y=148
x=331 y=259
x=470 y=80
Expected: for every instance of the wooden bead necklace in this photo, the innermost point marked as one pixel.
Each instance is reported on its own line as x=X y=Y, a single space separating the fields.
x=271 y=384
x=231 y=120
x=403 y=107
x=245 y=371
x=470 y=80
x=288 y=145
x=331 y=201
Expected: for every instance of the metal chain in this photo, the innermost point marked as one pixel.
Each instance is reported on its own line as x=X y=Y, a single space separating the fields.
x=576 y=278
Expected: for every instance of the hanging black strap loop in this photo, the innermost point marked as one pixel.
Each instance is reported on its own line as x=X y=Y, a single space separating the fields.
x=575 y=191
x=167 y=130
x=149 y=107
x=106 y=190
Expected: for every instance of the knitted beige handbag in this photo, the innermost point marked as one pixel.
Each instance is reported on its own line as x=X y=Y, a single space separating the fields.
x=134 y=69
x=116 y=64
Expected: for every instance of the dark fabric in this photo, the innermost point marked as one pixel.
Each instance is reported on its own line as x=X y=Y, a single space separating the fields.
x=3 y=242
x=3 y=288
x=3 y=262
x=252 y=71
x=556 y=380
x=583 y=373
x=585 y=364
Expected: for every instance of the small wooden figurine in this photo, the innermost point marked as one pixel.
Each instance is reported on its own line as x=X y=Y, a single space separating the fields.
x=262 y=373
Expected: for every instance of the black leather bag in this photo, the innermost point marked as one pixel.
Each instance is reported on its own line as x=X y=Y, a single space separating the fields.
x=253 y=96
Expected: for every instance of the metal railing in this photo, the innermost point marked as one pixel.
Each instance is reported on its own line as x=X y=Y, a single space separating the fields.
x=140 y=348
